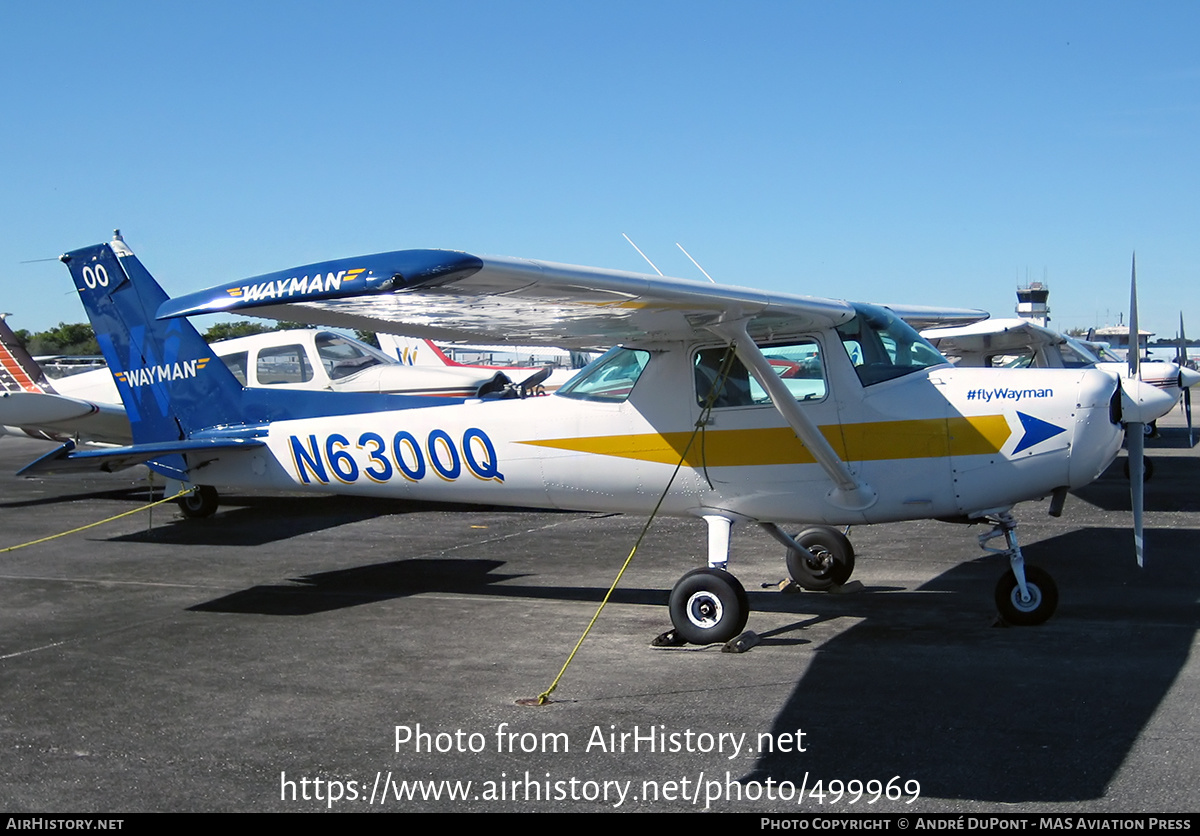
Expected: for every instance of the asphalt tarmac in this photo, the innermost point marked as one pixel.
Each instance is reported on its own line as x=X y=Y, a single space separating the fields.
x=300 y=652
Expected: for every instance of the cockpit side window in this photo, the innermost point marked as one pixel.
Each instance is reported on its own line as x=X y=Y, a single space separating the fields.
x=883 y=347
x=798 y=365
x=609 y=378
x=283 y=364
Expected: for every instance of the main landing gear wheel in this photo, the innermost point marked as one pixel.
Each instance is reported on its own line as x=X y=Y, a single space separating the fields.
x=201 y=502
x=834 y=559
x=708 y=606
x=1043 y=598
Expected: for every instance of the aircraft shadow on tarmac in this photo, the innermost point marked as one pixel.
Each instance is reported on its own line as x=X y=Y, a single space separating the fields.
x=1170 y=488
x=325 y=591
x=924 y=686
x=258 y=520
x=1175 y=438
x=129 y=494
x=1004 y=715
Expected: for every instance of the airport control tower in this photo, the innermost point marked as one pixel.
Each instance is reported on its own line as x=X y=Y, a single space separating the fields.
x=1033 y=303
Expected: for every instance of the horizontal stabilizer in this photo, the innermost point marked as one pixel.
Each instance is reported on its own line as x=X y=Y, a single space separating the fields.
x=20 y=409
x=66 y=459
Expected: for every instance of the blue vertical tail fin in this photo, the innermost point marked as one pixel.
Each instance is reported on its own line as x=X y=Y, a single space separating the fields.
x=170 y=381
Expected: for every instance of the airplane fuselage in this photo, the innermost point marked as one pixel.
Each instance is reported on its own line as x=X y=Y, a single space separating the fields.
x=969 y=440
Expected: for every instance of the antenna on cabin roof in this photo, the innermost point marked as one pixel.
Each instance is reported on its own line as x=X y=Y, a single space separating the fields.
x=642 y=254
x=697 y=263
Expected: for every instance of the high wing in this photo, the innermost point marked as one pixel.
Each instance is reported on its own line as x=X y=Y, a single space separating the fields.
x=993 y=337
x=446 y=295
x=921 y=317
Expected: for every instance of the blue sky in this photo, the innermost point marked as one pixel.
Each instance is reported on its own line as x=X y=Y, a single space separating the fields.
x=919 y=152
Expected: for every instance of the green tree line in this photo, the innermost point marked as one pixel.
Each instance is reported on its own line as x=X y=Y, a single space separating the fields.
x=78 y=339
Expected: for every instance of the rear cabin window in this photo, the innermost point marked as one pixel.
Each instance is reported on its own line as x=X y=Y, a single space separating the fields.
x=285 y=364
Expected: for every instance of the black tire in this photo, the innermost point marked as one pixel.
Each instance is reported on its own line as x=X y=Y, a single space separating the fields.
x=708 y=606
x=834 y=559
x=1043 y=594
x=201 y=502
x=1147 y=468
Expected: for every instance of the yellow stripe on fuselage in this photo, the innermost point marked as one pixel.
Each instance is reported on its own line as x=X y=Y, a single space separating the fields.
x=872 y=441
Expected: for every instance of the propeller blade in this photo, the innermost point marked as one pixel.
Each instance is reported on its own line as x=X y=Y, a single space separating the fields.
x=1187 y=409
x=1135 y=345
x=1135 y=431
x=1135 y=441
x=1182 y=360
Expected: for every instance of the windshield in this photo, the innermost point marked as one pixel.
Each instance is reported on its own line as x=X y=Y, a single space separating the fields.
x=883 y=347
x=342 y=356
x=610 y=377
x=1076 y=355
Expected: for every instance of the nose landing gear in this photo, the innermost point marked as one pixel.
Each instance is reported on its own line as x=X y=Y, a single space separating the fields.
x=1026 y=595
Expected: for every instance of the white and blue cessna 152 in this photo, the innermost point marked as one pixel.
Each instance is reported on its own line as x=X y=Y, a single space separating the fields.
x=778 y=410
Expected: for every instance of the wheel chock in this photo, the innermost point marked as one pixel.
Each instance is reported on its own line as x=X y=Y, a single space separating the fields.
x=668 y=639
x=742 y=643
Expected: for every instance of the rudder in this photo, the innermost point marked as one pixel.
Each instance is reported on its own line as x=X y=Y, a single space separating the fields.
x=170 y=381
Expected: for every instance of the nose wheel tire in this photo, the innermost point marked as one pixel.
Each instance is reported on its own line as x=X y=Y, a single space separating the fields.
x=708 y=606
x=201 y=502
x=1043 y=598
x=831 y=564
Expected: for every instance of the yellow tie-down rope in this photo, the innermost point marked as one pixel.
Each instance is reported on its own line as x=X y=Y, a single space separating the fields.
x=718 y=384
x=184 y=492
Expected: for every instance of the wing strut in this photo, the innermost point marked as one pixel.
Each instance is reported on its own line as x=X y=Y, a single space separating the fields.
x=849 y=491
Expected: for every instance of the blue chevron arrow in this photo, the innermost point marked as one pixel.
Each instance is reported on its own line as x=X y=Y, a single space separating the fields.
x=1036 y=431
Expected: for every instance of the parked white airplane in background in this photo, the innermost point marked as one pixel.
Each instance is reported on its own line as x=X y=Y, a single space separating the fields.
x=418 y=353
x=1019 y=343
x=88 y=405
x=732 y=405
x=315 y=360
